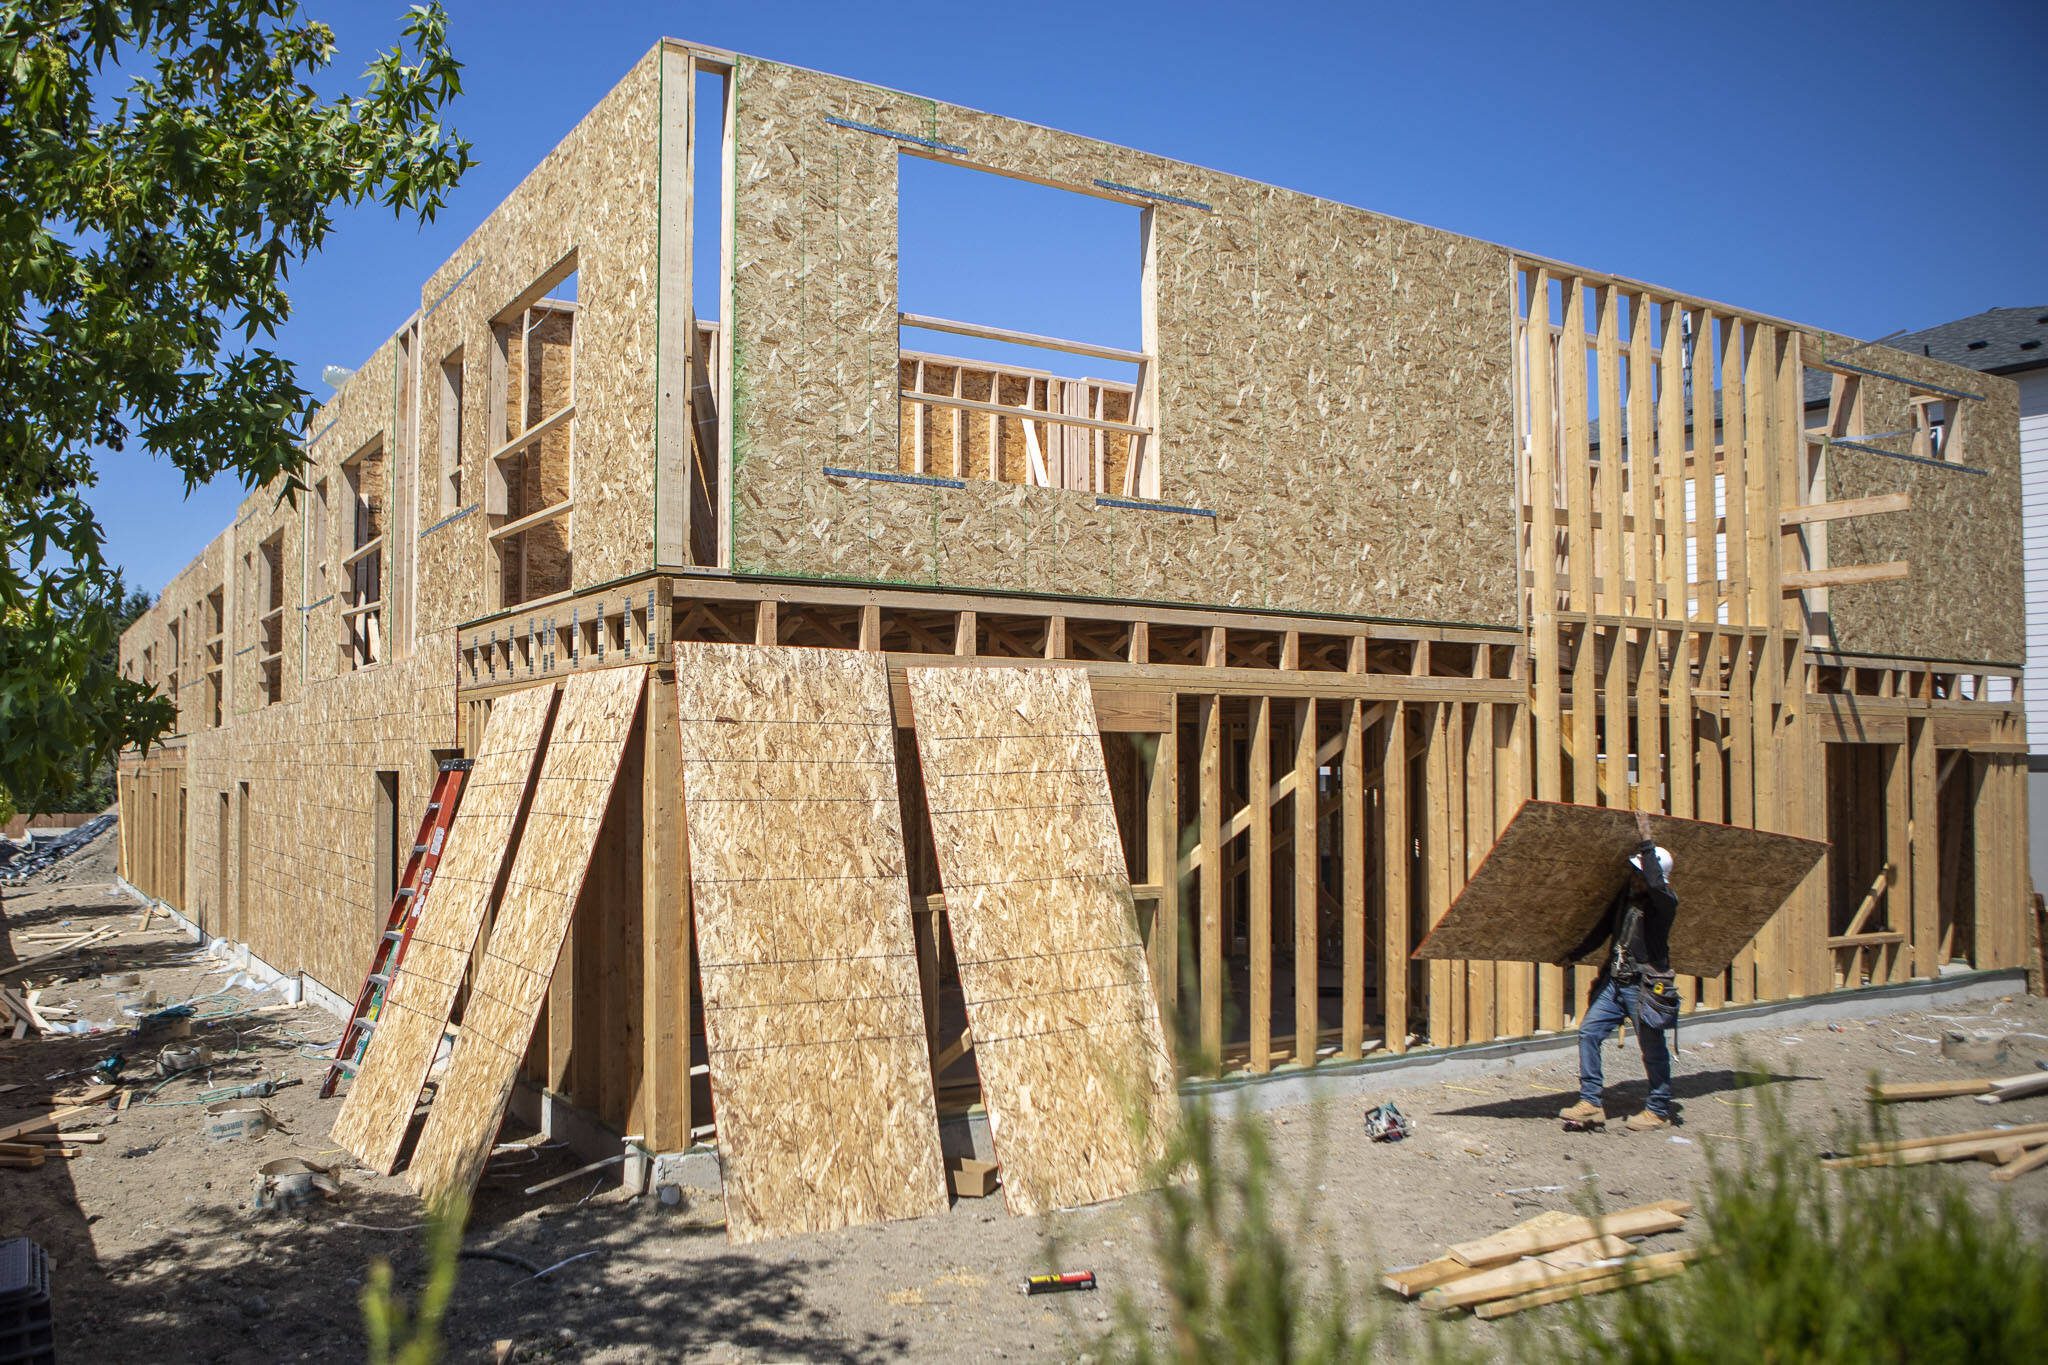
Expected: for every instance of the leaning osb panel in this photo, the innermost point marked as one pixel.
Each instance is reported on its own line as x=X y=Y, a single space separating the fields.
x=1334 y=385
x=1075 y=1073
x=1964 y=600
x=1556 y=868
x=584 y=749
x=450 y=912
x=813 y=1022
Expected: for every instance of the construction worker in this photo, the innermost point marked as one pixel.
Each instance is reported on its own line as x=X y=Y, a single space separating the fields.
x=1635 y=983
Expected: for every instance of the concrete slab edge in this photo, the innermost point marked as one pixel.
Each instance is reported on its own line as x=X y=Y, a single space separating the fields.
x=1282 y=1089
x=294 y=987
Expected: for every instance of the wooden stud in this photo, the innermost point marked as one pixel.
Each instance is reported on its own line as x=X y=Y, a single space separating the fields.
x=767 y=622
x=1395 y=842
x=1543 y=543
x=1056 y=637
x=871 y=627
x=1898 y=857
x=1450 y=850
x=1259 y=875
x=1608 y=563
x=1307 y=885
x=665 y=941
x=1742 y=782
x=1211 y=799
x=1482 y=978
x=1163 y=861
x=1735 y=477
x=1706 y=568
x=1671 y=459
x=1614 y=694
x=1576 y=458
x=1516 y=1010
x=963 y=635
x=1642 y=483
x=1649 y=724
x=1436 y=852
x=1354 y=874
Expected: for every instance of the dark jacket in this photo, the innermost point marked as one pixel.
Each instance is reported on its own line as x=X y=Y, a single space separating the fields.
x=1638 y=940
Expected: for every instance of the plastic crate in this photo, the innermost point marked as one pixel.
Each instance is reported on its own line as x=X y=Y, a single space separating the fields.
x=27 y=1335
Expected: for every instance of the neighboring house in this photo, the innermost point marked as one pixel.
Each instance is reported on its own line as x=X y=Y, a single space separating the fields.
x=2014 y=342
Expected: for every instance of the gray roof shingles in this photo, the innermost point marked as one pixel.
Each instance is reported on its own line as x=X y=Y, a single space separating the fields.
x=1996 y=341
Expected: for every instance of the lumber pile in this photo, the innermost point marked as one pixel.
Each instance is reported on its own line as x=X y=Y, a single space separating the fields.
x=1546 y=1259
x=2013 y=1150
x=19 y=1016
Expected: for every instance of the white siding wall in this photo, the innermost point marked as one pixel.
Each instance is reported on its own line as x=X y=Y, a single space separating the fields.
x=2034 y=492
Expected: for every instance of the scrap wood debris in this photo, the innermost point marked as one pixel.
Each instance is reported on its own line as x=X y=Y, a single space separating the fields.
x=1986 y=1090
x=1546 y=1259
x=2012 y=1150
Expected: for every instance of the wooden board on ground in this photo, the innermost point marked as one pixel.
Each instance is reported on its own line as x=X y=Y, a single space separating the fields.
x=813 y=1017
x=379 y=1106
x=1556 y=868
x=1075 y=1072
x=577 y=775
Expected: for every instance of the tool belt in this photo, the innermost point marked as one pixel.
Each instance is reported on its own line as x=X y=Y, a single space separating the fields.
x=1656 y=999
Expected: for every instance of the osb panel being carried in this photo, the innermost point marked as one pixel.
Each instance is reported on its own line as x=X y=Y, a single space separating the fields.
x=576 y=779
x=1964 y=600
x=1075 y=1073
x=1333 y=384
x=813 y=1022
x=374 y=1118
x=1556 y=868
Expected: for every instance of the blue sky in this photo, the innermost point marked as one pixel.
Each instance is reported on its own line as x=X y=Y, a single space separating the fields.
x=1862 y=165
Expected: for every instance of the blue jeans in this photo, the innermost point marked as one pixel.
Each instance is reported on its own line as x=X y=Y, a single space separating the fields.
x=1612 y=1003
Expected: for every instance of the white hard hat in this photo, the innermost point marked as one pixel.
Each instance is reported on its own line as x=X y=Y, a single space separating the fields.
x=1635 y=860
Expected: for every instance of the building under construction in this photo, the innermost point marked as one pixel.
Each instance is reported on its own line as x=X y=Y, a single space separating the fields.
x=1380 y=532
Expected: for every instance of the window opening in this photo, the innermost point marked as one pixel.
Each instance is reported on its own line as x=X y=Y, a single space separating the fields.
x=318 y=514
x=995 y=277
x=532 y=468
x=214 y=620
x=265 y=576
x=362 y=612
x=451 y=433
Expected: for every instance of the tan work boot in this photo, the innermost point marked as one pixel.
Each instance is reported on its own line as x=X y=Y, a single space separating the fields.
x=1592 y=1115
x=1646 y=1122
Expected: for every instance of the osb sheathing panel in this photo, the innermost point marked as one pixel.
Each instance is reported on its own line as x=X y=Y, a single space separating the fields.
x=1964 y=600
x=1556 y=868
x=1332 y=383
x=303 y=891
x=813 y=1021
x=596 y=194
x=378 y=1109
x=1075 y=1073
x=592 y=722
x=308 y=875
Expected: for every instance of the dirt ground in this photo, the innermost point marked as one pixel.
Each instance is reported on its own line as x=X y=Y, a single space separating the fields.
x=159 y=1253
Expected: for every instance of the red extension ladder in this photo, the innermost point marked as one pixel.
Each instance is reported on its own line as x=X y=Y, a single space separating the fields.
x=406 y=905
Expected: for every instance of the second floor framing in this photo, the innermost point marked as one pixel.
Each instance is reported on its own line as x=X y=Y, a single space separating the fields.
x=685 y=344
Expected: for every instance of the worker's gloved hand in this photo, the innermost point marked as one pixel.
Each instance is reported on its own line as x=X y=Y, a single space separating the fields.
x=1647 y=860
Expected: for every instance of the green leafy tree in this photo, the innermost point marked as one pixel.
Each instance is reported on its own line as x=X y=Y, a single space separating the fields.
x=162 y=168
